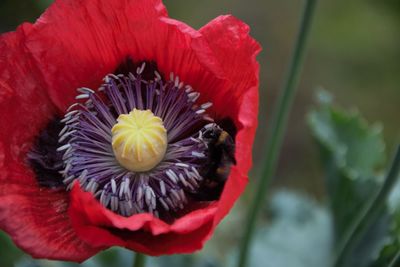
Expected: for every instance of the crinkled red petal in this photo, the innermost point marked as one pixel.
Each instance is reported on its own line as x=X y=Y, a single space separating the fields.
x=239 y=90
x=35 y=218
x=236 y=52
x=100 y=226
x=77 y=42
x=101 y=34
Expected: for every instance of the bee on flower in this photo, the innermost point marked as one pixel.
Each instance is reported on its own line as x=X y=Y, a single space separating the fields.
x=123 y=127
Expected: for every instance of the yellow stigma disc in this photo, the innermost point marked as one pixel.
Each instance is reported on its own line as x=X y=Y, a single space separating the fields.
x=139 y=140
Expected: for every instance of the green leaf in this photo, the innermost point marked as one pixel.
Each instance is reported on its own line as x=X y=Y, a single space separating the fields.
x=353 y=153
x=392 y=244
x=8 y=252
x=356 y=148
x=298 y=228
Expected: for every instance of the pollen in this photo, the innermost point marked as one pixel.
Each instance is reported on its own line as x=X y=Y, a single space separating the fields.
x=139 y=140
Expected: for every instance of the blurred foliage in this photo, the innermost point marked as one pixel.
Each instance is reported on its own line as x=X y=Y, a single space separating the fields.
x=14 y=12
x=8 y=252
x=298 y=227
x=392 y=244
x=353 y=154
x=349 y=142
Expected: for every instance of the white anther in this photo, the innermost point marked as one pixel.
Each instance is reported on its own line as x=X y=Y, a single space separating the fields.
x=72 y=106
x=163 y=204
x=69 y=179
x=148 y=196
x=66 y=118
x=171 y=175
x=112 y=75
x=113 y=186
x=66 y=135
x=105 y=198
x=95 y=186
x=198 y=154
x=139 y=194
x=64 y=147
x=126 y=187
x=63 y=130
x=175 y=196
x=183 y=181
x=182 y=195
x=89 y=185
x=162 y=188
x=131 y=76
x=170 y=203
x=176 y=82
x=83 y=173
x=141 y=69
x=195 y=140
x=208 y=118
x=206 y=105
x=193 y=181
x=209 y=126
x=71 y=120
x=180 y=164
x=67 y=153
x=67 y=168
x=195 y=171
x=85 y=90
x=188 y=89
x=158 y=76
x=71 y=113
x=82 y=96
x=114 y=203
x=121 y=189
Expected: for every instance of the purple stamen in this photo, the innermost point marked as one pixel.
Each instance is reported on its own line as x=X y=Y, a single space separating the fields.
x=88 y=156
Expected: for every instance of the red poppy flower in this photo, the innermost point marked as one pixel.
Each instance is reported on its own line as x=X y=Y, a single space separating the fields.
x=63 y=193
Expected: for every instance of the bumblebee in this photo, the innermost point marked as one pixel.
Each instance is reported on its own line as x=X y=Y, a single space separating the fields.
x=221 y=156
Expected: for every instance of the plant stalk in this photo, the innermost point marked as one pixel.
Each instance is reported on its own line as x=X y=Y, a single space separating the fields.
x=140 y=260
x=277 y=128
x=368 y=214
x=395 y=261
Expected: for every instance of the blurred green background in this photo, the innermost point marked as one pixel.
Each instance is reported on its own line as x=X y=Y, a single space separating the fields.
x=354 y=52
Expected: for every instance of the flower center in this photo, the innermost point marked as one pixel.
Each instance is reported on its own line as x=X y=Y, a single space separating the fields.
x=139 y=140
x=139 y=145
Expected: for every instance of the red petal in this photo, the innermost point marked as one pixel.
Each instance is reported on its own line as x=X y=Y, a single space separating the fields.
x=21 y=85
x=141 y=232
x=34 y=217
x=236 y=52
x=147 y=234
x=89 y=39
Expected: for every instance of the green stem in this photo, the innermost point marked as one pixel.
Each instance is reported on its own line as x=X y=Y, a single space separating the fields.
x=368 y=214
x=278 y=127
x=395 y=261
x=139 y=261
